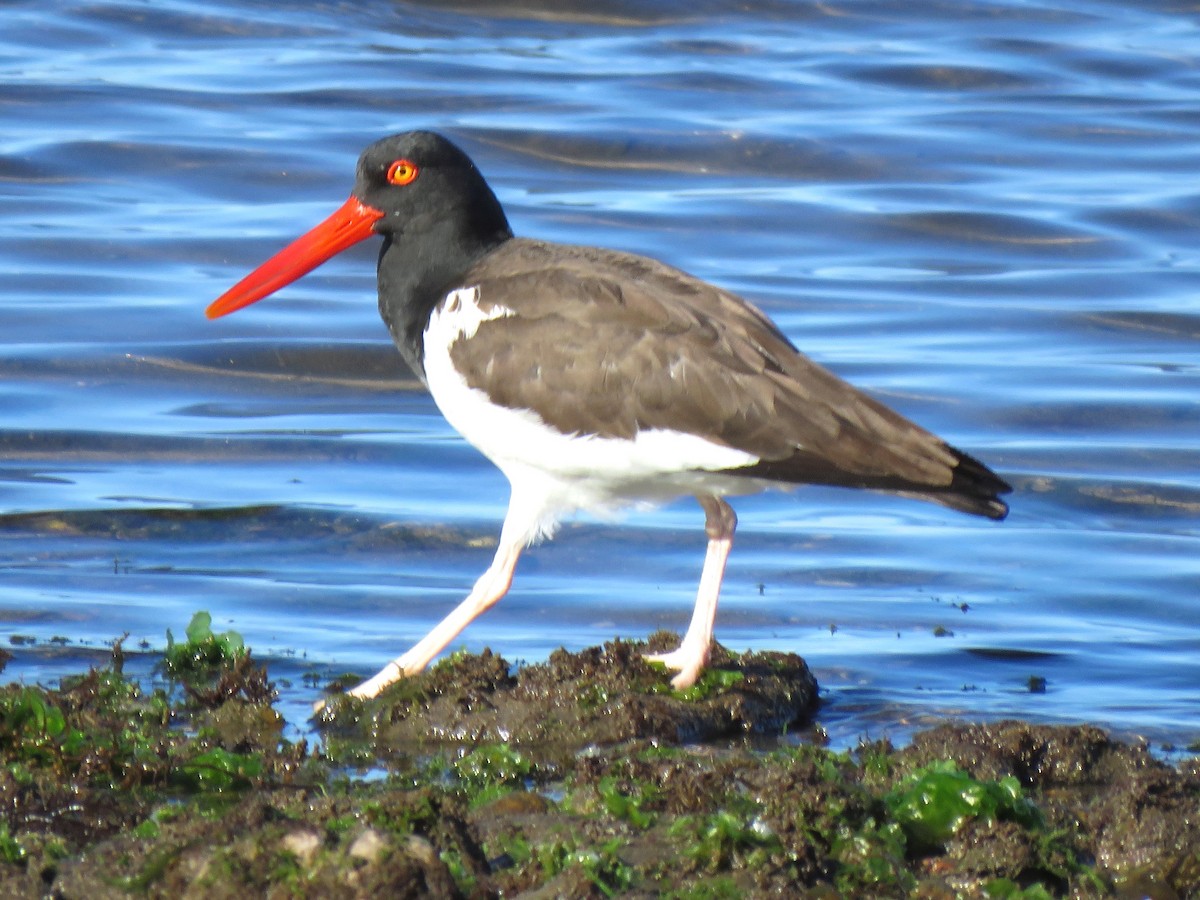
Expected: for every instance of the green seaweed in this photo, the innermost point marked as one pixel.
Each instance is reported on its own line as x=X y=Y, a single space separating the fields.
x=11 y=850
x=710 y=683
x=601 y=865
x=491 y=771
x=203 y=650
x=218 y=770
x=721 y=840
x=628 y=802
x=933 y=803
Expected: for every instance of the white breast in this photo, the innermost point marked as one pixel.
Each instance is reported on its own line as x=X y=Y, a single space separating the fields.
x=577 y=470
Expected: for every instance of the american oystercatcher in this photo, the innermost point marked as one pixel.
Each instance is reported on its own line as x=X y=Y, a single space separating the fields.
x=596 y=379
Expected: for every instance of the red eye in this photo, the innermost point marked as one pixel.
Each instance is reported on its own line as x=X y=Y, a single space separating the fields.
x=402 y=172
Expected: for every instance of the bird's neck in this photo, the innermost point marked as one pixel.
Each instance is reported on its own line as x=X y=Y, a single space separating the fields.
x=416 y=274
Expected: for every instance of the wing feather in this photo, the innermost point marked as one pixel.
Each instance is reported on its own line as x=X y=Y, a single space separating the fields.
x=606 y=343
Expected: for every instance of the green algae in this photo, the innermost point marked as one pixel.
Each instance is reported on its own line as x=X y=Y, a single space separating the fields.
x=932 y=804
x=203 y=651
x=193 y=790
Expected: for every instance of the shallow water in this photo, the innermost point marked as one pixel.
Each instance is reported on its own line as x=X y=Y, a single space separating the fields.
x=986 y=213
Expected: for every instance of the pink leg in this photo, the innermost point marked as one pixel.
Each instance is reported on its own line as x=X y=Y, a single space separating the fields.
x=490 y=587
x=691 y=657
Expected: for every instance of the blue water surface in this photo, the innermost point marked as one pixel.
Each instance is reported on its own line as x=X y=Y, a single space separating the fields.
x=986 y=213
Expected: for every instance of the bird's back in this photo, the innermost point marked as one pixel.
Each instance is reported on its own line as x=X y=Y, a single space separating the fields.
x=605 y=343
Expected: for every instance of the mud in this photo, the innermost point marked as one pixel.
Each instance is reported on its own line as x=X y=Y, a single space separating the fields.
x=585 y=776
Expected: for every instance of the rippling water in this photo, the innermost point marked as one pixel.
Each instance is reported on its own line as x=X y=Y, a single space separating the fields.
x=986 y=213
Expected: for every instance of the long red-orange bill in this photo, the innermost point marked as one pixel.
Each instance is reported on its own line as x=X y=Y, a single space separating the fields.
x=353 y=222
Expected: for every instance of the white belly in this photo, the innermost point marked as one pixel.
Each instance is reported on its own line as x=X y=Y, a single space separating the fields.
x=579 y=471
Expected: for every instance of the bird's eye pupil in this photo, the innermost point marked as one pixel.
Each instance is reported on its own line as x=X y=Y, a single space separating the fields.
x=402 y=172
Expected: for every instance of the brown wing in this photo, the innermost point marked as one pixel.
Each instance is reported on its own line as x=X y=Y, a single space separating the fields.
x=609 y=343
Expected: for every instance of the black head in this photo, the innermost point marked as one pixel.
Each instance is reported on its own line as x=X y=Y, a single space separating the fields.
x=425 y=185
x=436 y=214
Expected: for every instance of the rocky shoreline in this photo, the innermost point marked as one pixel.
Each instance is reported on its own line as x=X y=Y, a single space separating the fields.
x=584 y=776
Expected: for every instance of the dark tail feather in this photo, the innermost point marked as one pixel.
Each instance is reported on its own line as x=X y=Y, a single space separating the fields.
x=973 y=487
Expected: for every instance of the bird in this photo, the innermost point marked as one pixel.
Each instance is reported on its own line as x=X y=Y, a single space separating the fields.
x=597 y=380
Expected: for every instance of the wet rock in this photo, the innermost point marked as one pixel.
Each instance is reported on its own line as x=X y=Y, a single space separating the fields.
x=1149 y=824
x=1043 y=756
x=368 y=846
x=243 y=727
x=601 y=695
x=303 y=844
x=582 y=777
x=257 y=848
x=1138 y=818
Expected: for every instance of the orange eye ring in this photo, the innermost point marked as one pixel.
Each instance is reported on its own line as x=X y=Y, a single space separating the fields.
x=402 y=172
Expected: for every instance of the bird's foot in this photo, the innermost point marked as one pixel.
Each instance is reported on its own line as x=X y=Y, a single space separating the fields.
x=386 y=677
x=685 y=660
x=375 y=685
